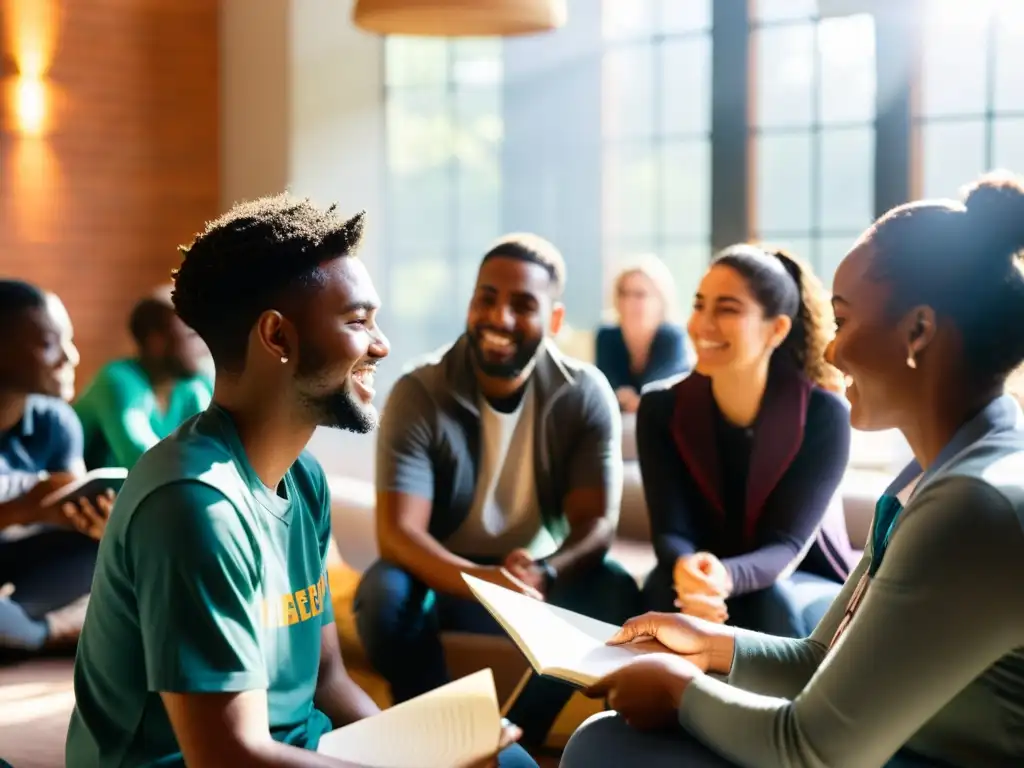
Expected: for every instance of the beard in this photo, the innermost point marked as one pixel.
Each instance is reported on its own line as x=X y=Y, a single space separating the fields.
x=525 y=351
x=338 y=408
x=343 y=410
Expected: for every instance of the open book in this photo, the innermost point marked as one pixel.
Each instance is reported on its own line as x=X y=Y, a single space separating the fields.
x=455 y=725
x=558 y=643
x=91 y=485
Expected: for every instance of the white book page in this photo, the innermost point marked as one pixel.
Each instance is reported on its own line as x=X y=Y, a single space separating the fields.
x=603 y=660
x=557 y=641
x=453 y=725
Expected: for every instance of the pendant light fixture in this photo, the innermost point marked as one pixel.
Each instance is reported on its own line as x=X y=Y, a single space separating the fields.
x=459 y=18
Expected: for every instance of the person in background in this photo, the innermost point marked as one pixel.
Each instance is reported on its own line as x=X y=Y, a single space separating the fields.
x=134 y=403
x=644 y=346
x=66 y=372
x=206 y=367
x=920 y=661
x=46 y=554
x=741 y=460
x=501 y=458
x=210 y=640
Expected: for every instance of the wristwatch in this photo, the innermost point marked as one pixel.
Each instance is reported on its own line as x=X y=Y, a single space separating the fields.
x=550 y=574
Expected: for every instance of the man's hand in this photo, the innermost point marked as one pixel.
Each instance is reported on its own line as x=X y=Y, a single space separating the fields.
x=647 y=691
x=504 y=578
x=86 y=517
x=523 y=567
x=707 y=646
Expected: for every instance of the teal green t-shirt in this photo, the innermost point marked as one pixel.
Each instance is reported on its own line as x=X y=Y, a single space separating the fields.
x=122 y=419
x=206 y=581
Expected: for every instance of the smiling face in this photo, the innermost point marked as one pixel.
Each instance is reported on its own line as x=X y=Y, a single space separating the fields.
x=340 y=345
x=870 y=347
x=728 y=326
x=511 y=312
x=66 y=372
x=35 y=356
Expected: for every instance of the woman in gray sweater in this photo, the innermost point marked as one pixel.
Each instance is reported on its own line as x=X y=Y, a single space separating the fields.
x=920 y=661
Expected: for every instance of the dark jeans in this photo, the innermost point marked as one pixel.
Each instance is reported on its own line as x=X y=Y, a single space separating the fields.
x=792 y=607
x=48 y=570
x=400 y=621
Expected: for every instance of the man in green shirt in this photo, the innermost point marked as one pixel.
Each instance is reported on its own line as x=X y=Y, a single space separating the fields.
x=210 y=638
x=134 y=403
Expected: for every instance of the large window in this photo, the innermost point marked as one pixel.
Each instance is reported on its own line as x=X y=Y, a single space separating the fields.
x=444 y=131
x=657 y=135
x=812 y=129
x=970 y=115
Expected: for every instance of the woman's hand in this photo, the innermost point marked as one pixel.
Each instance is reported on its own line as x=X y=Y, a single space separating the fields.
x=701 y=573
x=647 y=691
x=704 y=607
x=702 y=584
x=629 y=399
x=705 y=645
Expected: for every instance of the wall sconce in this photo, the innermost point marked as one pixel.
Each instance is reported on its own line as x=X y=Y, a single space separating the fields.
x=30 y=105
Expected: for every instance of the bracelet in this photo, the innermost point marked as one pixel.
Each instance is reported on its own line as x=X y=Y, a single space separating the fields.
x=550 y=574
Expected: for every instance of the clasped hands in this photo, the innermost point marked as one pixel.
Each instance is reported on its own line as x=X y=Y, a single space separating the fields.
x=702 y=585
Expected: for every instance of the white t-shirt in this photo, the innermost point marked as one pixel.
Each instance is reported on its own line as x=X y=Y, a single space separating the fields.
x=505 y=514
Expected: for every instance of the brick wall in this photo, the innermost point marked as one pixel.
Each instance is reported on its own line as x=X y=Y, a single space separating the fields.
x=127 y=167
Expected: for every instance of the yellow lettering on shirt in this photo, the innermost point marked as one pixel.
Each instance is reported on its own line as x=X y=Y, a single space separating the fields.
x=302 y=601
x=294 y=607
x=314 y=599
x=288 y=611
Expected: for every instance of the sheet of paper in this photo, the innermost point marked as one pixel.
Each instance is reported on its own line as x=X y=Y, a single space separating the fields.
x=449 y=726
x=555 y=639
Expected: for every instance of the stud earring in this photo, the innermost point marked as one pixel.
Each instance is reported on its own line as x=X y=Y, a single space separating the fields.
x=911 y=362
x=284 y=359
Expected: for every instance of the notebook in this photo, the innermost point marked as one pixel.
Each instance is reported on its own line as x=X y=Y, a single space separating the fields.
x=557 y=642
x=455 y=725
x=91 y=485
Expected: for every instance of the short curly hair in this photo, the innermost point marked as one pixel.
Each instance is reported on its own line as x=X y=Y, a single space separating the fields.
x=244 y=261
x=796 y=292
x=534 y=249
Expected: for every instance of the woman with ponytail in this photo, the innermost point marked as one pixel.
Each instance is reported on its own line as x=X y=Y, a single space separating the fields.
x=741 y=460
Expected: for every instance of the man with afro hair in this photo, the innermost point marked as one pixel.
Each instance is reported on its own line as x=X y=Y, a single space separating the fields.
x=210 y=639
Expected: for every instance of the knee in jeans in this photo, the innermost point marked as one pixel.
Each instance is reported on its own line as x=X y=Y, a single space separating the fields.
x=389 y=599
x=610 y=594
x=624 y=593
x=777 y=613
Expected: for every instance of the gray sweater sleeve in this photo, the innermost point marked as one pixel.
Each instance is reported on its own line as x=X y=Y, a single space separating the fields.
x=780 y=666
x=938 y=613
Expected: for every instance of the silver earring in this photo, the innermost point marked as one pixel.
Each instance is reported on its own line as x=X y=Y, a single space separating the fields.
x=911 y=362
x=284 y=359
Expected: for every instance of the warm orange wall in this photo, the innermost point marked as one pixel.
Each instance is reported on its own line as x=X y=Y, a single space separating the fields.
x=128 y=167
